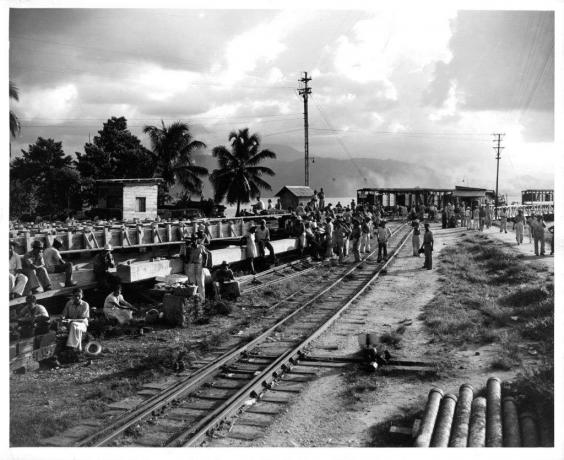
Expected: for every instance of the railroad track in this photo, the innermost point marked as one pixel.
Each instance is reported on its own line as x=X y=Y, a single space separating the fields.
x=275 y=275
x=182 y=413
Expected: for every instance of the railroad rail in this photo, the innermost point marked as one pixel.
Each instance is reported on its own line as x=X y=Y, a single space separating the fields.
x=220 y=387
x=278 y=274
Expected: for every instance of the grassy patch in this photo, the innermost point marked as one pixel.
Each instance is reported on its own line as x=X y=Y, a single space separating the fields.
x=488 y=294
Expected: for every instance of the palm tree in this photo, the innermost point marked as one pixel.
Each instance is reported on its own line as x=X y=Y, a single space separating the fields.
x=238 y=178
x=15 y=126
x=173 y=147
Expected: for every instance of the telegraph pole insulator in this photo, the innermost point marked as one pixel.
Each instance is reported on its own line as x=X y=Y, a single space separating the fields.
x=305 y=91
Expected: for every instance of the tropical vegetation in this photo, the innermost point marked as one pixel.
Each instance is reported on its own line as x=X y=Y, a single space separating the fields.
x=239 y=177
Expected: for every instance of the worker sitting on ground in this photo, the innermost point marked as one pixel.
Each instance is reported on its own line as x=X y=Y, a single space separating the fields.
x=54 y=263
x=17 y=279
x=224 y=283
x=34 y=268
x=76 y=314
x=115 y=306
x=34 y=315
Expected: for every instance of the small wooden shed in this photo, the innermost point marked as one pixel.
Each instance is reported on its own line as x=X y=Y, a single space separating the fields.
x=292 y=195
x=132 y=198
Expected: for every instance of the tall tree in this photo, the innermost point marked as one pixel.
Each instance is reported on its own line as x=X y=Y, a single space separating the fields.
x=173 y=147
x=46 y=169
x=114 y=153
x=15 y=126
x=239 y=177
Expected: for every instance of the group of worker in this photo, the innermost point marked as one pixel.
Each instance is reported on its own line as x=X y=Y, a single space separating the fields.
x=334 y=232
x=76 y=314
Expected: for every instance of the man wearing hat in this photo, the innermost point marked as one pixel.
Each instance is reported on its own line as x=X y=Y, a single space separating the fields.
x=17 y=279
x=33 y=267
x=54 y=263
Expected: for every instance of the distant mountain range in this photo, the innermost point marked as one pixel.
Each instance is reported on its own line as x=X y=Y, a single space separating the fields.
x=342 y=178
x=339 y=178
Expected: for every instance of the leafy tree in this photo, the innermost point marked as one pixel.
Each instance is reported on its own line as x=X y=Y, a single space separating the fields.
x=173 y=147
x=46 y=172
x=24 y=197
x=114 y=153
x=15 y=126
x=239 y=178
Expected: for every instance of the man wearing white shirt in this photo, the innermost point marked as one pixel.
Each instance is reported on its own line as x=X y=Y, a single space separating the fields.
x=17 y=279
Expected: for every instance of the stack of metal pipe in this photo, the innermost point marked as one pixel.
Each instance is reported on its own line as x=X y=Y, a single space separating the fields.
x=491 y=421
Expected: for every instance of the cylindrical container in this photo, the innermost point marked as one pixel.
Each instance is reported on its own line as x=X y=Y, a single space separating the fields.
x=545 y=428
x=477 y=429
x=529 y=434
x=429 y=417
x=441 y=433
x=511 y=432
x=494 y=431
x=461 y=419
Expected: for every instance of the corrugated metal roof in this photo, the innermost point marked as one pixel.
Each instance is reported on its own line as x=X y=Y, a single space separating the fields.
x=297 y=190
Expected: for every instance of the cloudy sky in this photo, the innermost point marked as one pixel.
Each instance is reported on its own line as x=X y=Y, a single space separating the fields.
x=424 y=86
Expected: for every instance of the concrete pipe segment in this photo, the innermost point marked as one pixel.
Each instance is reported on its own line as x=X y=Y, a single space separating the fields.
x=511 y=433
x=494 y=431
x=545 y=427
x=461 y=418
x=529 y=434
x=429 y=418
x=477 y=430
x=441 y=433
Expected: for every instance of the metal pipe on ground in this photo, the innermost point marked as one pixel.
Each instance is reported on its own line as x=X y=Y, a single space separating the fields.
x=477 y=430
x=461 y=418
x=511 y=432
x=443 y=424
x=529 y=434
x=494 y=432
x=429 y=417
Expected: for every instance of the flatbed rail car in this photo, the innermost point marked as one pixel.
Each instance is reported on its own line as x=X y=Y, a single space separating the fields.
x=93 y=237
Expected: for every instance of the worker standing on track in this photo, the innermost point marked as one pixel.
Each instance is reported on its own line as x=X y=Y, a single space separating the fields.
x=355 y=238
x=365 y=236
x=428 y=243
x=384 y=235
x=340 y=233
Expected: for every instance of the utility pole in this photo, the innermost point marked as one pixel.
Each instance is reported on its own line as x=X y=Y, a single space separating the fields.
x=498 y=148
x=304 y=92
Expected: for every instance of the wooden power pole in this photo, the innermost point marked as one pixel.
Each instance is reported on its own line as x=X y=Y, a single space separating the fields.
x=304 y=92
x=498 y=148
